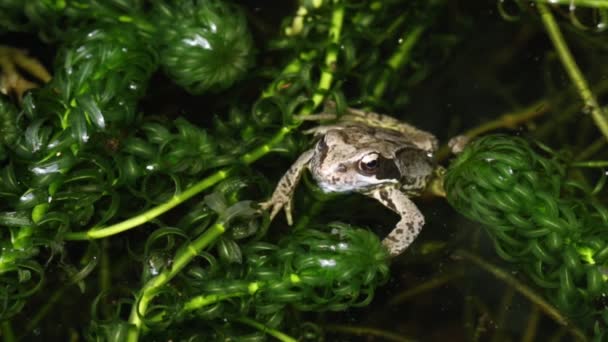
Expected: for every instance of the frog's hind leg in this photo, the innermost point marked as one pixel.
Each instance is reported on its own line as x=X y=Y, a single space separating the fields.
x=410 y=225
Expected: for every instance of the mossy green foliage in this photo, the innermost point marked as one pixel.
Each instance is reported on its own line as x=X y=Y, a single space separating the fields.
x=88 y=164
x=311 y=270
x=547 y=224
x=211 y=48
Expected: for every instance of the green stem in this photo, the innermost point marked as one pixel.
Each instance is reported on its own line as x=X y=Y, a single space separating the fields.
x=204 y=300
x=266 y=329
x=183 y=256
x=102 y=232
x=426 y=287
x=331 y=57
x=582 y=3
x=591 y=163
x=589 y=100
x=105 y=275
x=508 y=120
x=7 y=332
x=248 y=158
x=398 y=60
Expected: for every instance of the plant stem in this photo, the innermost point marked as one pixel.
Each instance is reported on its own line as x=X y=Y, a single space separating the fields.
x=266 y=329
x=331 y=57
x=367 y=331
x=508 y=120
x=99 y=232
x=582 y=3
x=204 y=300
x=7 y=332
x=397 y=60
x=532 y=326
x=591 y=163
x=43 y=311
x=427 y=286
x=183 y=256
x=590 y=102
x=524 y=290
x=248 y=158
x=506 y=303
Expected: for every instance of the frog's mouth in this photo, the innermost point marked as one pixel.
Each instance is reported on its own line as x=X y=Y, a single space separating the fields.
x=359 y=183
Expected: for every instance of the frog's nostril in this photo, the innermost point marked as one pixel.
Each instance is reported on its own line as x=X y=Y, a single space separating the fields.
x=341 y=168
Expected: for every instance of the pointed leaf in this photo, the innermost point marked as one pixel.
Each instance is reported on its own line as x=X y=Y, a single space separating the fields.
x=92 y=111
x=15 y=219
x=78 y=125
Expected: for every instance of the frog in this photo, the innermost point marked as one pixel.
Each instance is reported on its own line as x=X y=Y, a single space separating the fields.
x=369 y=153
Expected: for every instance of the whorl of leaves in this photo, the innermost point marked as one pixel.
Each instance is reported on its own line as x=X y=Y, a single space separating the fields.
x=549 y=226
x=204 y=44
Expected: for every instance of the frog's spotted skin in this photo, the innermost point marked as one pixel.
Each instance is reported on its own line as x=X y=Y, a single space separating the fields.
x=410 y=224
x=372 y=154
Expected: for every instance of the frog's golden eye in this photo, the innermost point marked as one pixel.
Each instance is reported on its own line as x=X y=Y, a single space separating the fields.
x=369 y=164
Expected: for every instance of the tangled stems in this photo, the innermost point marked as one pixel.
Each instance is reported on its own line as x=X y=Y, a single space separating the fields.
x=272 y=332
x=311 y=269
x=98 y=233
x=188 y=252
x=589 y=100
x=248 y=158
x=182 y=258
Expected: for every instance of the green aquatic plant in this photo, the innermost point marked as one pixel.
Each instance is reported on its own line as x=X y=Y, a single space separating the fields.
x=211 y=47
x=549 y=226
x=129 y=182
x=82 y=162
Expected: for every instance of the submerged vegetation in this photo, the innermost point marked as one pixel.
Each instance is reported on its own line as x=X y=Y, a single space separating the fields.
x=129 y=181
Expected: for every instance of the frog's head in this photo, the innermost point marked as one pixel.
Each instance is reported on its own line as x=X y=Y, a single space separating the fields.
x=344 y=162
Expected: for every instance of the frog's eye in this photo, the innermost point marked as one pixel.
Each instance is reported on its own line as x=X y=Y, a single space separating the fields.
x=369 y=164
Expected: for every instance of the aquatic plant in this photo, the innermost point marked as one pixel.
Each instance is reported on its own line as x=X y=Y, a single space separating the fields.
x=128 y=204
x=82 y=162
x=551 y=227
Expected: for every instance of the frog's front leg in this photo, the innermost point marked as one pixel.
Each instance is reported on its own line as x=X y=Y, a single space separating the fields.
x=410 y=224
x=283 y=193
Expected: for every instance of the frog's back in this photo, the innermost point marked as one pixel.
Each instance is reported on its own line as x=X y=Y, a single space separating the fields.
x=387 y=125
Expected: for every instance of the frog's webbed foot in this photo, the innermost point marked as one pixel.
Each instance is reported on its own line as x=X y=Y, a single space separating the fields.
x=410 y=224
x=13 y=61
x=283 y=193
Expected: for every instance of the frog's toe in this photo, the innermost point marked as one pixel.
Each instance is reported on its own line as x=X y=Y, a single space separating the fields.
x=287 y=209
x=12 y=62
x=269 y=205
x=458 y=143
x=276 y=207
